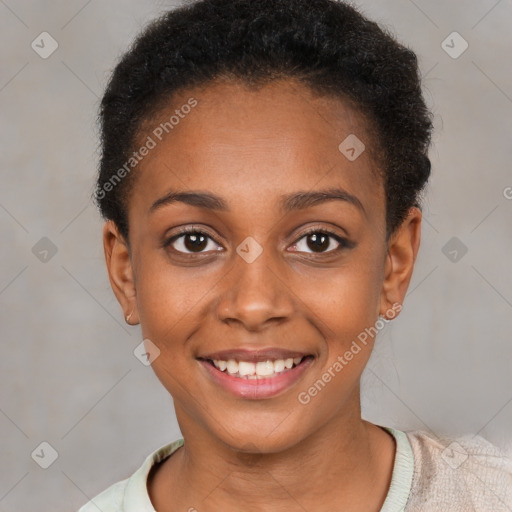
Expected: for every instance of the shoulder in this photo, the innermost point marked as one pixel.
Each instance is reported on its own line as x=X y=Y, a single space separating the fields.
x=130 y=494
x=462 y=473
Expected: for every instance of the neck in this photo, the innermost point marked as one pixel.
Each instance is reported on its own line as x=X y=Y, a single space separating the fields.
x=333 y=467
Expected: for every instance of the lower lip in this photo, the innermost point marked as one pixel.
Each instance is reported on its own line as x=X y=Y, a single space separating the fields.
x=257 y=388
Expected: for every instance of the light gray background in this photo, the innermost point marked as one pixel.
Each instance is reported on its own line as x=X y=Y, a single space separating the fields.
x=68 y=375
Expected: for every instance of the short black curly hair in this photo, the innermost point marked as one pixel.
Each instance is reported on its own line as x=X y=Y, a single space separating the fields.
x=327 y=45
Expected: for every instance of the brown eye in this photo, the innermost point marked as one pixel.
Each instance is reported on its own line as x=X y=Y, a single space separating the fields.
x=195 y=242
x=320 y=242
x=191 y=242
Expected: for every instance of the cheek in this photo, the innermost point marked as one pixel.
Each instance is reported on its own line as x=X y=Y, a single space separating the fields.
x=167 y=302
x=345 y=308
x=346 y=299
x=346 y=304
x=169 y=297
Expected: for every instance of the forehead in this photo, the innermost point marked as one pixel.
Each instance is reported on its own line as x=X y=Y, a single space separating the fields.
x=254 y=144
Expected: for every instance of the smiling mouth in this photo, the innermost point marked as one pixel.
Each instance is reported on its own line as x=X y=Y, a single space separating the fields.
x=256 y=370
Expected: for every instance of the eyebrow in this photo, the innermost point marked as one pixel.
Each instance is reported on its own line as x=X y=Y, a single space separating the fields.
x=288 y=203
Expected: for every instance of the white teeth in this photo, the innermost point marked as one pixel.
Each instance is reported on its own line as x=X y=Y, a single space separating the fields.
x=279 y=365
x=245 y=368
x=261 y=369
x=232 y=366
x=264 y=368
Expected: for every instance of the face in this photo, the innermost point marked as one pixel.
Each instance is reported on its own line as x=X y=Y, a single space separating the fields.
x=270 y=273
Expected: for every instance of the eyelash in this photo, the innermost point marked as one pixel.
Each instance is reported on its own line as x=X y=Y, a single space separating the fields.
x=344 y=243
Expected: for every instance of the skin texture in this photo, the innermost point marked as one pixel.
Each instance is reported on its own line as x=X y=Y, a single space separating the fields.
x=251 y=148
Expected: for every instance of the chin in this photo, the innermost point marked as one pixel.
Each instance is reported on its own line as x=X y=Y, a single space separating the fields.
x=258 y=441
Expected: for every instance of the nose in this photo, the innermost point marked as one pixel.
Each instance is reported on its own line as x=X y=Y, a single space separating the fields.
x=255 y=294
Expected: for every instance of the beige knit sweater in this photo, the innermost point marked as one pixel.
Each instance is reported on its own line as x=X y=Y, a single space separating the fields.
x=466 y=474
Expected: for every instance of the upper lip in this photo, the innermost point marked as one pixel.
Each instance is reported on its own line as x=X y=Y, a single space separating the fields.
x=253 y=355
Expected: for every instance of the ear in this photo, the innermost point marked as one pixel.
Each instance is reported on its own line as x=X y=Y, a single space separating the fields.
x=403 y=248
x=120 y=272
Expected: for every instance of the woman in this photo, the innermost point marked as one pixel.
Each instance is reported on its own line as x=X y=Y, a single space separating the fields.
x=260 y=179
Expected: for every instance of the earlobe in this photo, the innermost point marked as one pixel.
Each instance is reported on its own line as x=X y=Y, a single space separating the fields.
x=402 y=251
x=120 y=271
